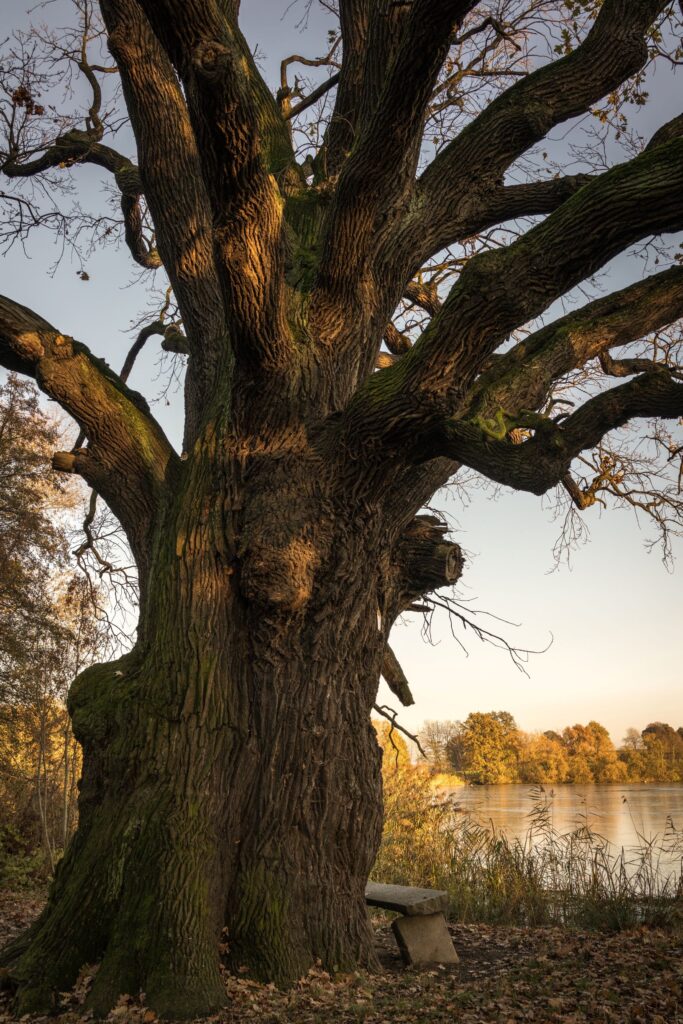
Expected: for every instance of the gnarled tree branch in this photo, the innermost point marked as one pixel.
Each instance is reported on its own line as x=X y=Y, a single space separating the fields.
x=84 y=147
x=523 y=377
x=380 y=169
x=614 y=48
x=128 y=459
x=171 y=177
x=499 y=291
x=241 y=139
x=395 y=411
x=543 y=461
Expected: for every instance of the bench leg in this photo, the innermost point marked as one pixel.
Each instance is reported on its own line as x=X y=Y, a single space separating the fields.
x=424 y=939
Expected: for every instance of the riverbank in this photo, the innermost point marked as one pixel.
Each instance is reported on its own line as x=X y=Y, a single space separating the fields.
x=505 y=975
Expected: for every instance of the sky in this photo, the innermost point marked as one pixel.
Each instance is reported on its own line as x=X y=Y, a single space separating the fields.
x=609 y=626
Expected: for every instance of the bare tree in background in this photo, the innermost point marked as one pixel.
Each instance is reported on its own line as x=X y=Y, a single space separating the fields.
x=359 y=328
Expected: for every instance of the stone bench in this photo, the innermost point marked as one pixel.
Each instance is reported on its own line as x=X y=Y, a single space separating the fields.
x=421 y=932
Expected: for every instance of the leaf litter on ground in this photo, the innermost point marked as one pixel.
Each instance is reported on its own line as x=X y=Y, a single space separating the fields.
x=506 y=975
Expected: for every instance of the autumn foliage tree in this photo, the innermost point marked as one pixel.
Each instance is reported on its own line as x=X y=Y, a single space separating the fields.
x=488 y=748
x=49 y=630
x=656 y=754
x=31 y=541
x=337 y=376
x=39 y=757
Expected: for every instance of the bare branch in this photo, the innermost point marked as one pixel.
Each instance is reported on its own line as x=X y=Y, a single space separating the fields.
x=286 y=92
x=614 y=49
x=642 y=477
x=79 y=147
x=128 y=457
x=543 y=461
x=157 y=327
x=89 y=544
x=624 y=367
x=312 y=97
x=391 y=716
x=486 y=23
x=577 y=495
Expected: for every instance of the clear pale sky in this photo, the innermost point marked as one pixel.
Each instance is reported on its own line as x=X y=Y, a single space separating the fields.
x=616 y=619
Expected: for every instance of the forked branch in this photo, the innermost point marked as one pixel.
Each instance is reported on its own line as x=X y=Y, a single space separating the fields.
x=241 y=138
x=523 y=378
x=499 y=291
x=83 y=147
x=614 y=49
x=543 y=461
x=380 y=169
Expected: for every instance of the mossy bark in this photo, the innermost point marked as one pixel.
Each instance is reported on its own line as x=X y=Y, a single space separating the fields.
x=231 y=776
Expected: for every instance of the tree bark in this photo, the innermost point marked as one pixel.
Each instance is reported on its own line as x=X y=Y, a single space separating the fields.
x=231 y=775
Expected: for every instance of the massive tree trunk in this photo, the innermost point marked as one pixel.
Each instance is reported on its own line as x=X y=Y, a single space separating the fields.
x=231 y=774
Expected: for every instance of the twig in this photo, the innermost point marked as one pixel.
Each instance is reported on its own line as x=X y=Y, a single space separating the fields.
x=315 y=95
x=391 y=715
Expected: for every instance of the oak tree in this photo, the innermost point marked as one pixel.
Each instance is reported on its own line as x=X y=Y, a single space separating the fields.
x=337 y=376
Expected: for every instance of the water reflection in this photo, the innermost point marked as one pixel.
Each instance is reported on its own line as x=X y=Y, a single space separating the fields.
x=626 y=815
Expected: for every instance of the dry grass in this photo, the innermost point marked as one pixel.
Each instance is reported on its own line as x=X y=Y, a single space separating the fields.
x=572 y=878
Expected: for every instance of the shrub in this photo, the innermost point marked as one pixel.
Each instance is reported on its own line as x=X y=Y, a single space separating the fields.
x=20 y=867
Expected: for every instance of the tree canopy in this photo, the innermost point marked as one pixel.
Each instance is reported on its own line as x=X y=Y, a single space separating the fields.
x=485 y=95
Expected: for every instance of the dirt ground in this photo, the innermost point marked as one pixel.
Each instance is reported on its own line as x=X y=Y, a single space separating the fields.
x=505 y=975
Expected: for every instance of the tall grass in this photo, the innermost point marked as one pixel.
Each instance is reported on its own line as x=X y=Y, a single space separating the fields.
x=547 y=877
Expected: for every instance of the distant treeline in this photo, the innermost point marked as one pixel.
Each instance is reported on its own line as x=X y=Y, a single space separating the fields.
x=488 y=747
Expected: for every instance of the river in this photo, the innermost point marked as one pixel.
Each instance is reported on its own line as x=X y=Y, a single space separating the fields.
x=626 y=815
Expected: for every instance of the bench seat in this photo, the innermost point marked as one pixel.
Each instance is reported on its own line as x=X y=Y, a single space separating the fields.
x=421 y=931
x=405 y=899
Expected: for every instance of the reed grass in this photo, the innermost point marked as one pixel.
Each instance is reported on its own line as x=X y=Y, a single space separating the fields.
x=574 y=878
